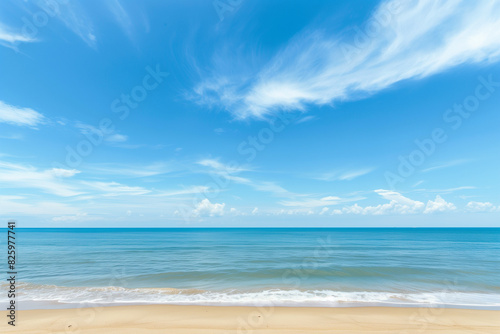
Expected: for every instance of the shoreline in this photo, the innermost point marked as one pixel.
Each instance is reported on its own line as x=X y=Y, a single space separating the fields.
x=37 y=296
x=54 y=305
x=146 y=319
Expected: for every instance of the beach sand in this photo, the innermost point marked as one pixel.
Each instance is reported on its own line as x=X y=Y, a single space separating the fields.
x=276 y=320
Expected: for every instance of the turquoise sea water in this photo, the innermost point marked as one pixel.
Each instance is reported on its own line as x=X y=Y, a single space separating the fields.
x=292 y=267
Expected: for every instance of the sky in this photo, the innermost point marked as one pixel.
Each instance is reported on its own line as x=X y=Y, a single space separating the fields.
x=250 y=113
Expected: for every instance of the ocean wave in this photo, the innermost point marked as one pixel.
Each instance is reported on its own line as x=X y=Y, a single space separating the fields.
x=266 y=297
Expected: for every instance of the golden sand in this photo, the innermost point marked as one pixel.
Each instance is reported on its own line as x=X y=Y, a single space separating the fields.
x=246 y=320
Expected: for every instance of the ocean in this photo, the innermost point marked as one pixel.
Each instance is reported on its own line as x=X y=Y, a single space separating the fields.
x=333 y=267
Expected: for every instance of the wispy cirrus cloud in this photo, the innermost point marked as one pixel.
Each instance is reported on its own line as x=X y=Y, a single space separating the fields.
x=445 y=190
x=98 y=135
x=11 y=38
x=186 y=191
x=444 y=165
x=227 y=173
x=20 y=205
x=319 y=67
x=220 y=167
x=20 y=116
x=14 y=136
x=132 y=170
x=79 y=217
x=318 y=202
x=116 y=138
x=74 y=16
x=116 y=189
x=344 y=175
x=121 y=16
x=28 y=177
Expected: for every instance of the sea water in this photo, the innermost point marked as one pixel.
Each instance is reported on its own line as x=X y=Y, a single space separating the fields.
x=451 y=267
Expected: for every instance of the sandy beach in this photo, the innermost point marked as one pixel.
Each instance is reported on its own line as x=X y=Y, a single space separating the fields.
x=276 y=320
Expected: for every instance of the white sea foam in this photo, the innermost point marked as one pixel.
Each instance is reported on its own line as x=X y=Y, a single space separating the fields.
x=269 y=297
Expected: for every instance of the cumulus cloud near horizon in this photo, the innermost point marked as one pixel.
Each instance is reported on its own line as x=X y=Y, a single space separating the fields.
x=398 y=204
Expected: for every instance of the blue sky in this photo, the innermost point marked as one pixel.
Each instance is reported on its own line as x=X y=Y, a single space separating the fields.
x=250 y=113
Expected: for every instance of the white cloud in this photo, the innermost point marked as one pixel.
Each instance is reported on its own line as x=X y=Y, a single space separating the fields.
x=444 y=165
x=79 y=217
x=75 y=18
x=394 y=196
x=305 y=119
x=272 y=188
x=19 y=176
x=19 y=205
x=186 y=191
x=87 y=129
x=62 y=182
x=15 y=136
x=97 y=135
x=10 y=38
x=445 y=191
x=398 y=204
x=72 y=14
x=313 y=203
x=337 y=212
x=331 y=198
x=122 y=17
x=344 y=175
x=224 y=174
x=414 y=39
x=116 y=189
x=116 y=138
x=354 y=174
x=61 y=172
x=293 y=212
x=481 y=207
x=236 y=212
x=219 y=167
x=308 y=202
x=132 y=170
x=439 y=205
x=354 y=209
x=206 y=208
x=417 y=183
x=19 y=116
